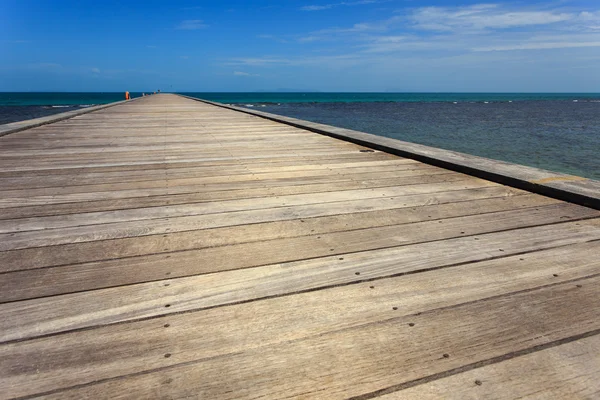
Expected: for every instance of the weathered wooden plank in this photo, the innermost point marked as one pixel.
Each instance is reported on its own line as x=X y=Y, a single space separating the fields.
x=244 y=176
x=30 y=318
x=51 y=195
x=167 y=189
x=568 y=371
x=31 y=284
x=36 y=181
x=359 y=360
x=48 y=364
x=39 y=257
x=198 y=160
x=182 y=210
x=46 y=237
x=205 y=196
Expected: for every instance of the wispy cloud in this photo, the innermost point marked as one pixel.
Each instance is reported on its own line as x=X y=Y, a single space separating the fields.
x=241 y=73
x=316 y=60
x=343 y=3
x=485 y=34
x=192 y=24
x=481 y=17
x=275 y=38
x=316 y=8
x=95 y=70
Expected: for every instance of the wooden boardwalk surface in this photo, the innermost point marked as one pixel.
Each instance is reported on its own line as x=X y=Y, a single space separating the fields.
x=166 y=248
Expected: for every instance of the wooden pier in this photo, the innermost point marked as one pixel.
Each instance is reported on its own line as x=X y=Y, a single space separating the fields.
x=166 y=248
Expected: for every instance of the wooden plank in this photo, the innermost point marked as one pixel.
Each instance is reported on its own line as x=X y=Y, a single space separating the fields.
x=568 y=371
x=49 y=360
x=355 y=361
x=205 y=196
x=172 y=187
x=79 y=234
x=31 y=318
x=182 y=210
x=191 y=162
x=21 y=285
x=23 y=182
x=242 y=177
x=72 y=253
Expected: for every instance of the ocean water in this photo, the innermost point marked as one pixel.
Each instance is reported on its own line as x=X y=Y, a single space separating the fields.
x=27 y=105
x=274 y=98
x=559 y=132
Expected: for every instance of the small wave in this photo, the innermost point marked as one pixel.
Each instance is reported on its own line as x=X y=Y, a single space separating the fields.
x=249 y=105
x=486 y=102
x=575 y=101
x=60 y=106
x=455 y=102
x=86 y=105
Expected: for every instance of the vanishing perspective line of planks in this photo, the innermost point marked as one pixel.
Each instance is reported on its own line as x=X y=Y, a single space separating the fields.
x=167 y=248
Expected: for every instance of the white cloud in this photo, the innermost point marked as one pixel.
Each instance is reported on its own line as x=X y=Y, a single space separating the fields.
x=343 y=3
x=95 y=70
x=192 y=24
x=538 y=46
x=335 y=60
x=317 y=8
x=258 y=61
x=241 y=73
x=481 y=17
x=492 y=32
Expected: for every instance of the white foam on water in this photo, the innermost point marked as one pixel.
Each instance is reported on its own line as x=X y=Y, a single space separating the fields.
x=249 y=105
x=486 y=102
x=60 y=106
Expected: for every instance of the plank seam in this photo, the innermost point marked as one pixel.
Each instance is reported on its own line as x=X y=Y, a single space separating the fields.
x=356 y=282
x=209 y=200
x=380 y=392
x=289 y=237
x=479 y=364
x=240 y=210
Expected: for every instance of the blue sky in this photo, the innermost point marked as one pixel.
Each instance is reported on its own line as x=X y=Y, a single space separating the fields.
x=324 y=45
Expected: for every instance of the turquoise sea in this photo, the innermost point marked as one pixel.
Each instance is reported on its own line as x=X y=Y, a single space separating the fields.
x=556 y=131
